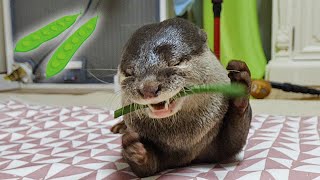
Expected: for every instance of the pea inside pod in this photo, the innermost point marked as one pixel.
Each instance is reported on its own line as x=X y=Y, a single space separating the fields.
x=69 y=47
x=46 y=33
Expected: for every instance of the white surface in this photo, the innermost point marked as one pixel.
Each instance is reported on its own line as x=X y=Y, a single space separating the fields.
x=98 y=99
x=67 y=88
x=74 y=65
x=295 y=42
x=298 y=72
x=307 y=30
x=163 y=10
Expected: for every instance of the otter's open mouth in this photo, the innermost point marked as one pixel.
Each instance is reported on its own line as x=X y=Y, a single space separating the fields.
x=164 y=105
x=165 y=108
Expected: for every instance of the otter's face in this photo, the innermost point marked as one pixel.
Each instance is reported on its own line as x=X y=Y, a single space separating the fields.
x=155 y=86
x=157 y=63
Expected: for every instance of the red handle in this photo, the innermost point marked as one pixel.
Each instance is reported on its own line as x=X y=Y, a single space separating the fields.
x=217 y=37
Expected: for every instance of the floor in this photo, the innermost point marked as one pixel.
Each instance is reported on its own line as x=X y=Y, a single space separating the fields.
x=278 y=103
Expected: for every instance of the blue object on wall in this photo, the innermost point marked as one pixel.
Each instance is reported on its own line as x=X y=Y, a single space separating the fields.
x=181 y=6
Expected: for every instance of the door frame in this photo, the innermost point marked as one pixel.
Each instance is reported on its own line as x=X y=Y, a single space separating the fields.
x=8 y=44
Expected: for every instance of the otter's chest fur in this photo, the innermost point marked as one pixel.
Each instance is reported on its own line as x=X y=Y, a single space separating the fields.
x=195 y=125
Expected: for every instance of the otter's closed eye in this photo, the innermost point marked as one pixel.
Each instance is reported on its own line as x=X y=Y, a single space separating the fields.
x=180 y=61
x=177 y=63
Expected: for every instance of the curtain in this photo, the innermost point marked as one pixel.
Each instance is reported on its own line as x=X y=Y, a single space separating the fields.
x=240 y=35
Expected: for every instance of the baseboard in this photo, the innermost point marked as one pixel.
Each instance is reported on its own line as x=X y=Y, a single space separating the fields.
x=66 y=88
x=46 y=88
x=7 y=85
x=305 y=73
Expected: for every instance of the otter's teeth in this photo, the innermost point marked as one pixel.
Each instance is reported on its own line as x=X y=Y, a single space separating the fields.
x=167 y=104
x=151 y=108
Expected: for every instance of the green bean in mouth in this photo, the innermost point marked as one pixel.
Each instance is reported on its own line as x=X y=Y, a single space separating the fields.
x=230 y=90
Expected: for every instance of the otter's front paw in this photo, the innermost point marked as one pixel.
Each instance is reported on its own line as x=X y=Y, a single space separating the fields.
x=133 y=149
x=142 y=161
x=239 y=72
x=119 y=128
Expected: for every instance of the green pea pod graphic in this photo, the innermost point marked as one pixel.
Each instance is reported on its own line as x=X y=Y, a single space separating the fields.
x=69 y=47
x=48 y=32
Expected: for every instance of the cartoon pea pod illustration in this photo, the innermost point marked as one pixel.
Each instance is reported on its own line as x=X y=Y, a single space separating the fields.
x=69 y=47
x=50 y=31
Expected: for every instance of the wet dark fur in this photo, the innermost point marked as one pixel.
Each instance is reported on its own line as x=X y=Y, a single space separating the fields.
x=208 y=128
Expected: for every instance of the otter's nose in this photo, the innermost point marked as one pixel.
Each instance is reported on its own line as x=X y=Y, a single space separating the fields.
x=149 y=90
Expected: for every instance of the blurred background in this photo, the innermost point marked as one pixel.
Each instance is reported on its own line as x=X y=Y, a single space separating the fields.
x=278 y=39
x=60 y=127
x=119 y=19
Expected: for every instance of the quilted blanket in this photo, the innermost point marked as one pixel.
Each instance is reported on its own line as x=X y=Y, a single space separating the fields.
x=43 y=142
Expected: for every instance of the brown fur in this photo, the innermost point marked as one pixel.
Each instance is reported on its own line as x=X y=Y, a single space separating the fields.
x=208 y=128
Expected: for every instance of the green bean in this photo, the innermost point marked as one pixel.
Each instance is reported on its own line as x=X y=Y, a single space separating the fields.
x=230 y=90
x=69 y=47
x=48 y=32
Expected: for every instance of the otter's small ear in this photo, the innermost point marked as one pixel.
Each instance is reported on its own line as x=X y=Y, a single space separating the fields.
x=203 y=35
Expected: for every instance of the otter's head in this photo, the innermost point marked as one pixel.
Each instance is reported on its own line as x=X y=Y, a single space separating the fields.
x=159 y=60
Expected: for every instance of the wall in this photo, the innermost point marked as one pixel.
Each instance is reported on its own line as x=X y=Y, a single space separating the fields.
x=265 y=23
x=118 y=19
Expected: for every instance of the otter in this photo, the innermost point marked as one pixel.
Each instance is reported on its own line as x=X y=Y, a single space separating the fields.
x=157 y=62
